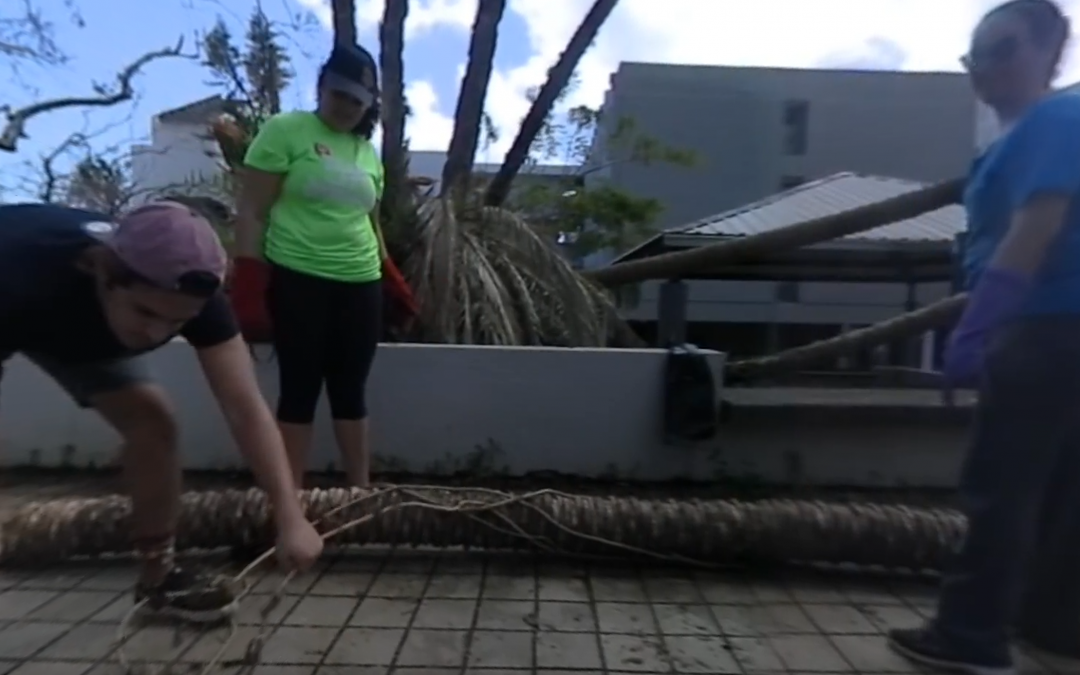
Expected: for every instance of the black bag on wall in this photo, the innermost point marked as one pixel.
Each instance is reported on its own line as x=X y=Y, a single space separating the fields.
x=691 y=406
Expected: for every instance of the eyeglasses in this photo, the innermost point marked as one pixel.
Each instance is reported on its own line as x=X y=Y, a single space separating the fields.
x=996 y=53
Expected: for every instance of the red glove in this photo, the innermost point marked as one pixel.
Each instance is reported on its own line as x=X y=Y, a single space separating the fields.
x=401 y=306
x=248 y=294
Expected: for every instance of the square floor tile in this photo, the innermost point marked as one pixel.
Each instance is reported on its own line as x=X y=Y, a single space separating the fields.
x=887 y=617
x=88 y=641
x=398 y=586
x=509 y=588
x=507 y=615
x=567 y=617
x=501 y=649
x=840 y=620
x=321 y=611
x=635 y=653
x=21 y=640
x=454 y=586
x=568 y=589
x=366 y=647
x=672 y=590
x=809 y=654
x=385 y=612
x=697 y=654
x=686 y=620
x=452 y=614
x=347 y=584
x=618 y=589
x=567 y=650
x=755 y=655
x=625 y=617
x=436 y=648
x=872 y=655
x=18 y=603
x=73 y=606
x=290 y=644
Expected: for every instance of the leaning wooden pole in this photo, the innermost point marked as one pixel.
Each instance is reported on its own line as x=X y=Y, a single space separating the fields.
x=682 y=263
x=940 y=313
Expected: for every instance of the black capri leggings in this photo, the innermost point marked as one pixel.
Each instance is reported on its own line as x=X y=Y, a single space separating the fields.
x=324 y=331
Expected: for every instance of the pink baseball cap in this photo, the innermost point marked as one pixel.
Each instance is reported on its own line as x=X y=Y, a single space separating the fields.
x=170 y=244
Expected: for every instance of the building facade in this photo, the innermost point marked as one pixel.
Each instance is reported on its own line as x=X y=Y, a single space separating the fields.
x=758 y=131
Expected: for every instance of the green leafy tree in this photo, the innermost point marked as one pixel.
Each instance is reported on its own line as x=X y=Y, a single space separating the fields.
x=579 y=209
x=250 y=81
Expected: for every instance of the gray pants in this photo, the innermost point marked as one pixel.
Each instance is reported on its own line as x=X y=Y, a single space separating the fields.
x=84 y=381
x=1020 y=488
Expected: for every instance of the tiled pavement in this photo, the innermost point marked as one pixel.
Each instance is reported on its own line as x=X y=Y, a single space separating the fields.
x=452 y=613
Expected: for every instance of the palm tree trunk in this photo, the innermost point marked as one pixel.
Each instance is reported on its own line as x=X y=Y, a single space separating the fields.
x=391 y=47
x=344 y=13
x=681 y=263
x=474 y=86
x=558 y=77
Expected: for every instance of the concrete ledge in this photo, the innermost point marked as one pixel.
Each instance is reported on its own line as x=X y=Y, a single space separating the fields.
x=435 y=409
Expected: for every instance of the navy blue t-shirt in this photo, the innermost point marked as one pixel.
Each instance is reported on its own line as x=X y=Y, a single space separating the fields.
x=50 y=306
x=1039 y=156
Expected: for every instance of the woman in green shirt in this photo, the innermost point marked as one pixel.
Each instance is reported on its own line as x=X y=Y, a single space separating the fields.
x=308 y=204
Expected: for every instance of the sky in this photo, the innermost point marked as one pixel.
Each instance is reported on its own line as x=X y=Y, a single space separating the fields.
x=914 y=35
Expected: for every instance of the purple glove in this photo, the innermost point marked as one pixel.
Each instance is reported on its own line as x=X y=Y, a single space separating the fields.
x=995 y=299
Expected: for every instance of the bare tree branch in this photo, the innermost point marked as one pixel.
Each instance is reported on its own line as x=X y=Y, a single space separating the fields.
x=52 y=180
x=15 y=129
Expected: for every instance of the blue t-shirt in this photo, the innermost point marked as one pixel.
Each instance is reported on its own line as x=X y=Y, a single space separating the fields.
x=1040 y=155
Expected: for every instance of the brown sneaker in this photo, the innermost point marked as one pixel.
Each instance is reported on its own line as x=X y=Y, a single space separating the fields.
x=189 y=596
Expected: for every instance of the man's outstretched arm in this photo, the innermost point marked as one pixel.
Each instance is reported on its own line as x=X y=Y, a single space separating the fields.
x=230 y=373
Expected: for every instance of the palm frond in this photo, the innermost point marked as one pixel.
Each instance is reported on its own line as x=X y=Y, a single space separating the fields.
x=483 y=275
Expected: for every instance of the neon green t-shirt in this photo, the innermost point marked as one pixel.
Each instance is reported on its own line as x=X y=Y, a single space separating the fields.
x=321 y=223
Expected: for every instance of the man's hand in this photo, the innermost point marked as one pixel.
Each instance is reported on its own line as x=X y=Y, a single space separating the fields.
x=298 y=545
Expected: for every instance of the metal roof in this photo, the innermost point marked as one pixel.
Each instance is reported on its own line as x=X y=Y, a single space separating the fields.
x=829 y=196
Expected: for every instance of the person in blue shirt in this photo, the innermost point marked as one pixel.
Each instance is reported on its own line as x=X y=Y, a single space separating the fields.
x=1018 y=342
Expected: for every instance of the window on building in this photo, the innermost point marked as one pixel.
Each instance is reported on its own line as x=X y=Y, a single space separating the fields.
x=788 y=182
x=796 y=126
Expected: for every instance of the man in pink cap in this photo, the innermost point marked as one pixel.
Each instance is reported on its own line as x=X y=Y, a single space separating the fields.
x=84 y=297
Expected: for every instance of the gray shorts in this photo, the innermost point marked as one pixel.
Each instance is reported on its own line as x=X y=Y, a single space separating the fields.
x=84 y=381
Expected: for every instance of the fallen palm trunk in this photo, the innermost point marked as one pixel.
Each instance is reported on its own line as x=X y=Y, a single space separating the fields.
x=933 y=316
x=703 y=531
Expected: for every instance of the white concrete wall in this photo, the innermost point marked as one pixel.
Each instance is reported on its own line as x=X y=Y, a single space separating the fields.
x=435 y=408
x=438 y=409
x=755 y=302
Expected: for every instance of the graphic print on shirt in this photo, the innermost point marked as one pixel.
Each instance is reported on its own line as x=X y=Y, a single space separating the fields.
x=340 y=181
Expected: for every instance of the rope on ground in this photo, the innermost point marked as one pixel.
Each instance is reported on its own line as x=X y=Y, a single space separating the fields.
x=700 y=531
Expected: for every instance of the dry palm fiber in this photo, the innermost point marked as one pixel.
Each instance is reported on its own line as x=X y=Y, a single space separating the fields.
x=706 y=532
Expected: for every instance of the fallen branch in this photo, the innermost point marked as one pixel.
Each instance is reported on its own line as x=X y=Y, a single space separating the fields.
x=15 y=129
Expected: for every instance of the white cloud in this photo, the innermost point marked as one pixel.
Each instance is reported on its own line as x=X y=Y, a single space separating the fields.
x=427 y=128
x=928 y=34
